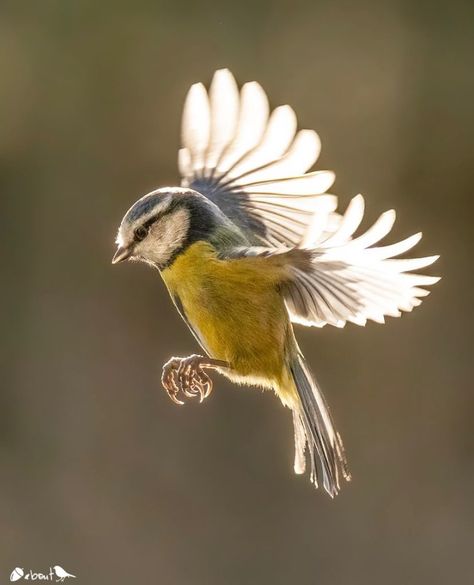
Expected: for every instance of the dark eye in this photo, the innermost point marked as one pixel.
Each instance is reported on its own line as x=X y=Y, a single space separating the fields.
x=140 y=233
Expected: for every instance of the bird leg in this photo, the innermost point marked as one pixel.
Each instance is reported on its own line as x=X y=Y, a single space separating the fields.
x=187 y=375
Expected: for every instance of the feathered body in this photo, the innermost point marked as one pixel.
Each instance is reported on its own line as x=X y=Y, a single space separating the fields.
x=202 y=285
x=251 y=244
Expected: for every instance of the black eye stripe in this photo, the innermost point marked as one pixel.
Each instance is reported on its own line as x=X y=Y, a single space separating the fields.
x=140 y=233
x=151 y=220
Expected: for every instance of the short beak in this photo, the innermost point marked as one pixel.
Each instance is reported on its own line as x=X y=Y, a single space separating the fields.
x=121 y=254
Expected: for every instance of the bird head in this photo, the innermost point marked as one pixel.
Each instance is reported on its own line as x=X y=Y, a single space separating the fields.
x=162 y=224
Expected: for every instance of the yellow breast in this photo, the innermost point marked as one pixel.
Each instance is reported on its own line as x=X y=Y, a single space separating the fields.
x=235 y=308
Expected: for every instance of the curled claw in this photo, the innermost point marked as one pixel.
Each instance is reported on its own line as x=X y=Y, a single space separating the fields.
x=187 y=375
x=174 y=399
x=204 y=384
x=201 y=382
x=169 y=380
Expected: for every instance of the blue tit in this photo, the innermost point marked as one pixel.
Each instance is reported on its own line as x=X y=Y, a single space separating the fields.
x=250 y=244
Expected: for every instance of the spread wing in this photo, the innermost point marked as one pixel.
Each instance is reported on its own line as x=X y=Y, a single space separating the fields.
x=341 y=278
x=252 y=163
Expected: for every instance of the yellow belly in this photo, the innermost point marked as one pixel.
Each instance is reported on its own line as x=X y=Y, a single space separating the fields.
x=235 y=308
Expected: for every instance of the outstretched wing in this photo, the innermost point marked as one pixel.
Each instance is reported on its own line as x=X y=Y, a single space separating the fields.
x=252 y=163
x=340 y=278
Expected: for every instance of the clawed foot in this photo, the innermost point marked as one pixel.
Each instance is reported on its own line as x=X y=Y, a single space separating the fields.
x=187 y=375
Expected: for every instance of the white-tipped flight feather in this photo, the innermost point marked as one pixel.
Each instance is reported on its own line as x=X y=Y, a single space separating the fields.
x=224 y=115
x=352 y=281
x=233 y=149
x=195 y=129
x=255 y=167
x=253 y=117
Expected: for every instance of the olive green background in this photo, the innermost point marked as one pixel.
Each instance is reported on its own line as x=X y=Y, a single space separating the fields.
x=100 y=472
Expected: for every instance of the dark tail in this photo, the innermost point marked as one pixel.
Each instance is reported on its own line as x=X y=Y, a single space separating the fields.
x=314 y=426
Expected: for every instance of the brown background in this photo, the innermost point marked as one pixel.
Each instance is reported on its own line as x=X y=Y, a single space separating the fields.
x=99 y=471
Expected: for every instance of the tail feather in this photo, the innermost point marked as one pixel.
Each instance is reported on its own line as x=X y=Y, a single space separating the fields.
x=314 y=426
x=300 y=444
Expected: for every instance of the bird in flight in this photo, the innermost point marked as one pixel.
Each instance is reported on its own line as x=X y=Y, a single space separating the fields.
x=250 y=244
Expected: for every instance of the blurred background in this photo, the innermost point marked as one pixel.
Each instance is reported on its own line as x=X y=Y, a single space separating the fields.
x=100 y=472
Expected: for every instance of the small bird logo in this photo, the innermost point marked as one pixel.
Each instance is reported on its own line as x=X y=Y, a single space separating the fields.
x=61 y=574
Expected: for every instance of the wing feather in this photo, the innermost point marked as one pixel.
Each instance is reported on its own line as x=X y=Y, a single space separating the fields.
x=255 y=167
x=237 y=155
x=196 y=125
x=224 y=115
x=253 y=117
x=359 y=282
x=315 y=183
x=351 y=281
x=300 y=156
x=276 y=140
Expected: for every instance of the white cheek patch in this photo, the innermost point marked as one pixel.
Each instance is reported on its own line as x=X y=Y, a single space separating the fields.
x=174 y=229
x=165 y=237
